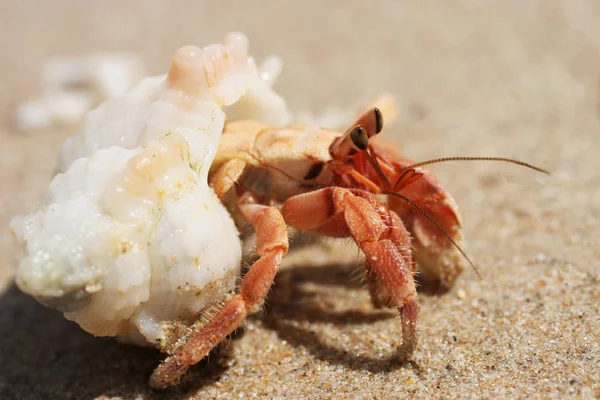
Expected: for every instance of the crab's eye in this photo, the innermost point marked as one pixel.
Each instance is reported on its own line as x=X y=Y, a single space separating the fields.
x=359 y=137
x=378 y=120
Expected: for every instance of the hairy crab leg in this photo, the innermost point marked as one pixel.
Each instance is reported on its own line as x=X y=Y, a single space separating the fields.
x=380 y=234
x=271 y=246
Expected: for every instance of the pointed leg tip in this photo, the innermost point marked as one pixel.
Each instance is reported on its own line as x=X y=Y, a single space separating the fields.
x=167 y=374
x=409 y=315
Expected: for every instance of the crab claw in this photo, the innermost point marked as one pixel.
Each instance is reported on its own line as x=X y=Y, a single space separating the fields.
x=433 y=219
x=437 y=257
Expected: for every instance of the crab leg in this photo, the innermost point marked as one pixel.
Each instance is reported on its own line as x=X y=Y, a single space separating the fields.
x=226 y=176
x=271 y=246
x=380 y=234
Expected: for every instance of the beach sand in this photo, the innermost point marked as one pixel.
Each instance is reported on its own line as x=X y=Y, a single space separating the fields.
x=486 y=78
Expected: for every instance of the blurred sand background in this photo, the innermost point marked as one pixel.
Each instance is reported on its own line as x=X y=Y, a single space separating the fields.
x=513 y=78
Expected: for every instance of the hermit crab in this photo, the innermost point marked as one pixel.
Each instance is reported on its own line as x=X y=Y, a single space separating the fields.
x=133 y=239
x=328 y=181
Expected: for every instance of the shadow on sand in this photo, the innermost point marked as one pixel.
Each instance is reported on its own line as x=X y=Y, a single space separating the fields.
x=43 y=354
x=290 y=303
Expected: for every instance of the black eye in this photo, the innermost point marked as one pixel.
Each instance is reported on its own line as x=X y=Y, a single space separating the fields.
x=359 y=137
x=378 y=120
x=314 y=171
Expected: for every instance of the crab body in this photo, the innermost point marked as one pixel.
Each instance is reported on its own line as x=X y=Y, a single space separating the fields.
x=281 y=162
x=324 y=181
x=330 y=182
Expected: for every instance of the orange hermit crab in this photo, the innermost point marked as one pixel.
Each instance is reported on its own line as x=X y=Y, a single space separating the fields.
x=328 y=181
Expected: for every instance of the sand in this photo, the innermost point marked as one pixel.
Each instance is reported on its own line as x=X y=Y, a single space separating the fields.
x=517 y=79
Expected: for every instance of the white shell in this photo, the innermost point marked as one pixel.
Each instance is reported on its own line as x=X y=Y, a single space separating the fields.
x=187 y=100
x=130 y=241
x=261 y=102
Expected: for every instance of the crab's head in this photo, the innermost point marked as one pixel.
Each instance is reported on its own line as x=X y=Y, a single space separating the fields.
x=429 y=212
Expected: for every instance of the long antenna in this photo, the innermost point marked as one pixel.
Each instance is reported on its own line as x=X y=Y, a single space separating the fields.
x=412 y=203
x=508 y=160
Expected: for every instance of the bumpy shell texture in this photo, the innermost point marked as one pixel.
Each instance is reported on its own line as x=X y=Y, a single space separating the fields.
x=130 y=241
